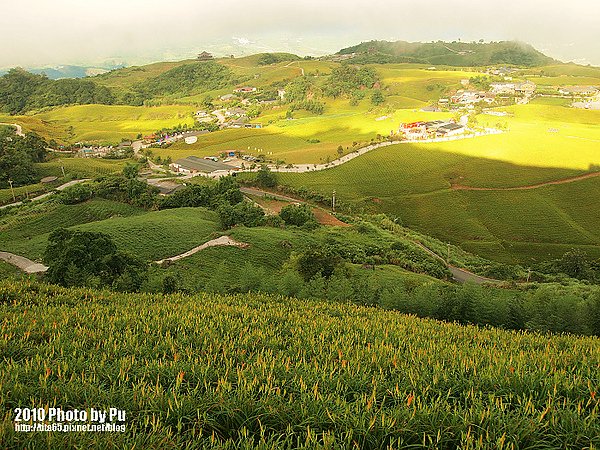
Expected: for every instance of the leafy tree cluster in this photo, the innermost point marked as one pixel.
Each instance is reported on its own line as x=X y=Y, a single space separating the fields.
x=189 y=78
x=575 y=264
x=266 y=178
x=319 y=273
x=242 y=213
x=299 y=216
x=83 y=258
x=266 y=59
x=312 y=106
x=298 y=89
x=448 y=53
x=344 y=80
x=18 y=155
x=21 y=91
x=225 y=191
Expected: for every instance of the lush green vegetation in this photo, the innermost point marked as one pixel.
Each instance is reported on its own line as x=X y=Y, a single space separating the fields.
x=83 y=258
x=251 y=370
x=188 y=78
x=21 y=91
x=17 y=157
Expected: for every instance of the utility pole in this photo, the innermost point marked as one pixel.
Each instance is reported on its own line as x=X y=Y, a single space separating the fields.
x=528 y=274
x=333 y=202
x=12 y=190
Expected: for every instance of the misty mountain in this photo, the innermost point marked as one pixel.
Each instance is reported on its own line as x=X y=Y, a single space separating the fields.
x=448 y=53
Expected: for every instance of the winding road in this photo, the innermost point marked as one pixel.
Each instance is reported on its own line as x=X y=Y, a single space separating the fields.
x=223 y=241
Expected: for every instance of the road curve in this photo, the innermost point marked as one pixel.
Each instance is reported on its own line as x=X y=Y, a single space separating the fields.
x=18 y=128
x=222 y=241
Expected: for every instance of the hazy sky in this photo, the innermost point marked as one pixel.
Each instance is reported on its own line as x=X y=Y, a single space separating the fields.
x=36 y=33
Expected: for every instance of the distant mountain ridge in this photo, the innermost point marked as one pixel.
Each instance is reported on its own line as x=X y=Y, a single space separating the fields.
x=67 y=71
x=448 y=53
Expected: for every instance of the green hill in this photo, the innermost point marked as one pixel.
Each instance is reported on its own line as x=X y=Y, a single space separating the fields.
x=462 y=54
x=251 y=370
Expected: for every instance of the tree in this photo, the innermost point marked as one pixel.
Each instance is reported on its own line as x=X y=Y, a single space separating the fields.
x=575 y=263
x=298 y=215
x=243 y=213
x=266 y=178
x=377 y=98
x=317 y=261
x=340 y=151
x=83 y=258
x=131 y=171
x=169 y=284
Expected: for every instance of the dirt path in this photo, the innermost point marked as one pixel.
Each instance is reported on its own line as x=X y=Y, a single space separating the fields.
x=222 y=241
x=26 y=265
x=585 y=176
x=322 y=215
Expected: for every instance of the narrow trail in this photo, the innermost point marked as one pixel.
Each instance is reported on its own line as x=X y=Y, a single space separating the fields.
x=585 y=176
x=223 y=241
x=25 y=264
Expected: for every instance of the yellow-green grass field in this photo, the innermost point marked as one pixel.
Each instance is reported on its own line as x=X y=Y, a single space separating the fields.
x=538 y=135
x=256 y=371
x=105 y=124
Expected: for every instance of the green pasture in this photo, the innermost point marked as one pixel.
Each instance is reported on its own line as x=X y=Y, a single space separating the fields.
x=159 y=234
x=150 y=235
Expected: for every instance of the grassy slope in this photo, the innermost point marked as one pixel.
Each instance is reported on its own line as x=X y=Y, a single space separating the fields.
x=150 y=235
x=291 y=372
x=26 y=231
x=103 y=123
x=413 y=183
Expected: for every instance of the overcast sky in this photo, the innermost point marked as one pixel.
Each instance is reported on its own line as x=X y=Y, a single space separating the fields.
x=37 y=33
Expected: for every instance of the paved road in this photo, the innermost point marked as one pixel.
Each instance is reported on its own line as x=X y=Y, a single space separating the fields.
x=26 y=265
x=47 y=194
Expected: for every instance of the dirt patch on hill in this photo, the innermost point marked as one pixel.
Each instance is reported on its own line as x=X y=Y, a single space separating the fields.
x=324 y=218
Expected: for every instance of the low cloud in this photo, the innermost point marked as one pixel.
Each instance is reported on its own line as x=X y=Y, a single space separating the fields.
x=43 y=32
